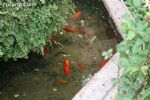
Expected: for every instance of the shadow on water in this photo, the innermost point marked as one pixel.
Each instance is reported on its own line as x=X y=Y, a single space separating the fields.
x=42 y=78
x=12 y=68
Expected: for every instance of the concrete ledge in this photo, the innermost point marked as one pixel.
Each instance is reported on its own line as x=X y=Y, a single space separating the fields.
x=116 y=8
x=100 y=87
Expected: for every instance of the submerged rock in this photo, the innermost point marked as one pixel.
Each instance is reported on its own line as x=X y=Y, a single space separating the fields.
x=54 y=89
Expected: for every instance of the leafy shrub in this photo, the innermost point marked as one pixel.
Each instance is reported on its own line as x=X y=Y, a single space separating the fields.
x=135 y=53
x=26 y=29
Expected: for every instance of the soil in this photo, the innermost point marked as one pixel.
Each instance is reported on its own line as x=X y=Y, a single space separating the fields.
x=43 y=78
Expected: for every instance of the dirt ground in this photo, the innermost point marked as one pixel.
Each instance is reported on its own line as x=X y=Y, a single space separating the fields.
x=39 y=77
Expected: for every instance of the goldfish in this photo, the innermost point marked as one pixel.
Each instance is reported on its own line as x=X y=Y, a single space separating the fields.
x=62 y=81
x=69 y=29
x=81 y=66
x=66 y=67
x=52 y=39
x=77 y=15
x=46 y=50
x=103 y=63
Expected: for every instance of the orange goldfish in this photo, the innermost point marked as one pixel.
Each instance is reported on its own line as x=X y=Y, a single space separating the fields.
x=69 y=29
x=46 y=50
x=77 y=15
x=62 y=81
x=103 y=63
x=81 y=66
x=66 y=67
x=52 y=39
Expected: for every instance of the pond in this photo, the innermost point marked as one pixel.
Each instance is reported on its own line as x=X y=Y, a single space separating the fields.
x=43 y=78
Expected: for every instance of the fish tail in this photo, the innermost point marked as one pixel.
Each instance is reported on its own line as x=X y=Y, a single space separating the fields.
x=46 y=50
x=81 y=31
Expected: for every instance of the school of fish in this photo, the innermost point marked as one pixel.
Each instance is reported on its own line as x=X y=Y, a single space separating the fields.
x=66 y=67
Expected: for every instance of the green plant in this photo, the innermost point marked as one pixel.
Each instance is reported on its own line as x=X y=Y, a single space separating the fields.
x=26 y=29
x=135 y=53
x=107 y=54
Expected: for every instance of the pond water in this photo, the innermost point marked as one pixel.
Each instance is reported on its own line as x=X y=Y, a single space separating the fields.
x=43 y=78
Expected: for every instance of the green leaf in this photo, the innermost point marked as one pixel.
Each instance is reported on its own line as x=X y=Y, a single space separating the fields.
x=124 y=61
x=145 y=94
x=23 y=1
x=1 y=53
x=43 y=1
x=131 y=25
x=140 y=26
x=146 y=34
x=125 y=17
x=135 y=49
x=130 y=35
x=136 y=3
x=137 y=59
x=139 y=41
x=125 y=80
x=107 y=54
x=114 y=80
x=123 y=87
x=144 y=70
